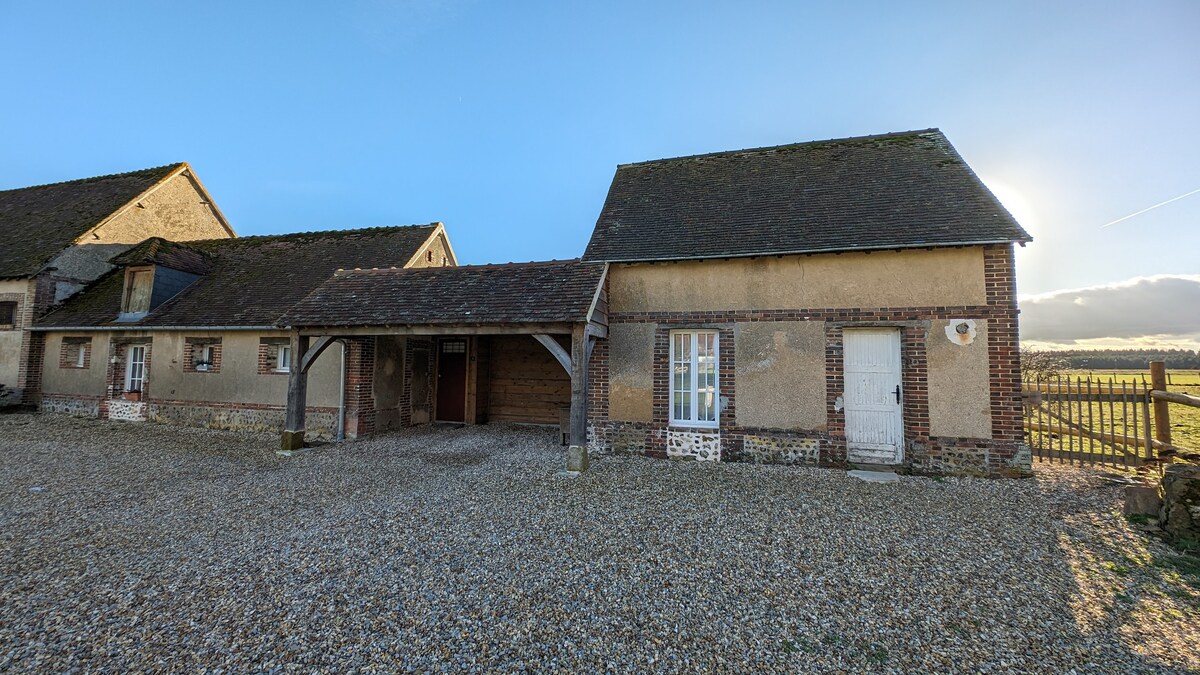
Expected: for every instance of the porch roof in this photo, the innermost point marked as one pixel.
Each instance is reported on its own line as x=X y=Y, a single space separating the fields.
x=497 y=298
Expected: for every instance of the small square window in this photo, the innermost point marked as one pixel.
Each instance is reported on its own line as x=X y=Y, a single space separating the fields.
x=75 y=353
x=8 y=313
x=283 y=359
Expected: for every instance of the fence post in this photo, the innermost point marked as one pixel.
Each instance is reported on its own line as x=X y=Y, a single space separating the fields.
x=1162 y=413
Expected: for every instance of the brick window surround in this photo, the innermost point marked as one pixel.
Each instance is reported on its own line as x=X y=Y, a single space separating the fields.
x=69 y=350
x=10 y=311
x=268 y=354
x=192 y=348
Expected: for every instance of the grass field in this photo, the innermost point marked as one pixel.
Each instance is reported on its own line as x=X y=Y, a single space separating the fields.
x=1185 y=420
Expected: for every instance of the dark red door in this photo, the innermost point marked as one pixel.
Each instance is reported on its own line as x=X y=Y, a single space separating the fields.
x=452 y=381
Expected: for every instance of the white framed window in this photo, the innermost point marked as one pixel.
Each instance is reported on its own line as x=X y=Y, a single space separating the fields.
x=80 y=354
x=135 y=368
x=695 y=395
x=202 y=357
x=283 y=359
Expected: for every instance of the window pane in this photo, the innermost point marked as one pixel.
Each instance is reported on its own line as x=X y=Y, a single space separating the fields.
x=706 y=377
x=141 y=283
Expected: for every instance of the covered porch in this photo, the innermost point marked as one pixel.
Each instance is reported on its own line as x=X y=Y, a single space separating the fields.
x=463 y=345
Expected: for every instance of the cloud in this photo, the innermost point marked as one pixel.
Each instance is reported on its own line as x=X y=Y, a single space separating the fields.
x=1160 y=310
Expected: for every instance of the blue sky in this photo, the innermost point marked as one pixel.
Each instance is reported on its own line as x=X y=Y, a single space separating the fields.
x=506 y=120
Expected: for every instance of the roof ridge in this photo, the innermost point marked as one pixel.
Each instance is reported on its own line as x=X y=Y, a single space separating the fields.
x=856 y=139
x=165 y=168
x=531 y=263
x=264 y=238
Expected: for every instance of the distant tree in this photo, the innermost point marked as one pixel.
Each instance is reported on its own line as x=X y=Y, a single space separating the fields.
x=1129 y=359
x=1042 y=364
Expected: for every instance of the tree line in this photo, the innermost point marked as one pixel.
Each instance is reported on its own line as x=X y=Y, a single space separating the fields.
x=1126 y=359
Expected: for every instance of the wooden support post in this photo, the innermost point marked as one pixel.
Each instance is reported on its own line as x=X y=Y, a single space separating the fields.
x=1162 y=413
x=297 y=396
x=577 y=455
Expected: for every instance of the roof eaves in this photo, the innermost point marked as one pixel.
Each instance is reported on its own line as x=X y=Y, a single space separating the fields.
x=124 y=327
x=839 y=249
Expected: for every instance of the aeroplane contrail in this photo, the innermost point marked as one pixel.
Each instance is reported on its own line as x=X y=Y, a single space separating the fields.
x=1151 y=208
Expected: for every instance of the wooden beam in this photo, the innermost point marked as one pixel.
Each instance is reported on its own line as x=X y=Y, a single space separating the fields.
x=1175 y=397
x=592 y=315
x=556 y=350
x=597 y=330
x=455 y=329
x=315 y=350
x=297 y=396
x=577 y=457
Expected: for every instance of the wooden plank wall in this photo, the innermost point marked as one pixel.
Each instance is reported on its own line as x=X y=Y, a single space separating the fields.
x=525 y=383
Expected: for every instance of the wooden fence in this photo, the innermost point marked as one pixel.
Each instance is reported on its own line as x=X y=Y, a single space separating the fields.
x=1117 y=423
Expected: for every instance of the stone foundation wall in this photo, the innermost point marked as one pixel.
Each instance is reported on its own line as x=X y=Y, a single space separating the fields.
x=320 y=423
x=961 y=456
x=78 y=406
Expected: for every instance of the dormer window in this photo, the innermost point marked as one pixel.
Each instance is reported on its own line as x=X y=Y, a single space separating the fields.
x=139 y=288
x=149 y=285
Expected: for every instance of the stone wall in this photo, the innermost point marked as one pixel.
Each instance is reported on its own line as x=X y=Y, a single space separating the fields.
x=320 y=422
x=1181 y=503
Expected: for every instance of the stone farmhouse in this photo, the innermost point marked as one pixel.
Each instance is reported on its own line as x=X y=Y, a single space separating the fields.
x=836 y=302
x=57 y=239
x=187 y=333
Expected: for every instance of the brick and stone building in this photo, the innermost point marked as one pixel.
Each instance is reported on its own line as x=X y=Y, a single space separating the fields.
x=837 y=302
x=843 y=302
x=59 y=238
x=187 y=333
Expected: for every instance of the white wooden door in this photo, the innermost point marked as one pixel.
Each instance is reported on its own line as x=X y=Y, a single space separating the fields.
x=872 y=400
x=135 y=368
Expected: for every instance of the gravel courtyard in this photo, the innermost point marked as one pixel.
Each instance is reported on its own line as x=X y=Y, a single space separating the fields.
x=142 y=547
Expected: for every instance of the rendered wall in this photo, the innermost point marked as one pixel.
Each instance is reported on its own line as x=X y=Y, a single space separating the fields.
x=237 y=381
x=631 y=372
x=959 y=387
x=940 y=277
x=780 y=374
x=75 y=381
x=10 y=340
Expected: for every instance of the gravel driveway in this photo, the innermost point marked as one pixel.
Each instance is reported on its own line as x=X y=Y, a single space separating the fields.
x=142 y=547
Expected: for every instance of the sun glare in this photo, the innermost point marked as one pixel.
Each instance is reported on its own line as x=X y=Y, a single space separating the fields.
x=1017 y=204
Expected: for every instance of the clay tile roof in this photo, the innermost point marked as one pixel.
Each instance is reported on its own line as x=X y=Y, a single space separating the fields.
x=559 y=291
x=900 y=190
x=159 y=251
x=251 y=281
x=38 y=222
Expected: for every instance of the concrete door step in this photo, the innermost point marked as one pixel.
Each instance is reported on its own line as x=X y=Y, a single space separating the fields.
x=875 y=476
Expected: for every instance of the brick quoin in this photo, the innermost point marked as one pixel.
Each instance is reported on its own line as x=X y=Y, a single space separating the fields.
x=360 y=387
